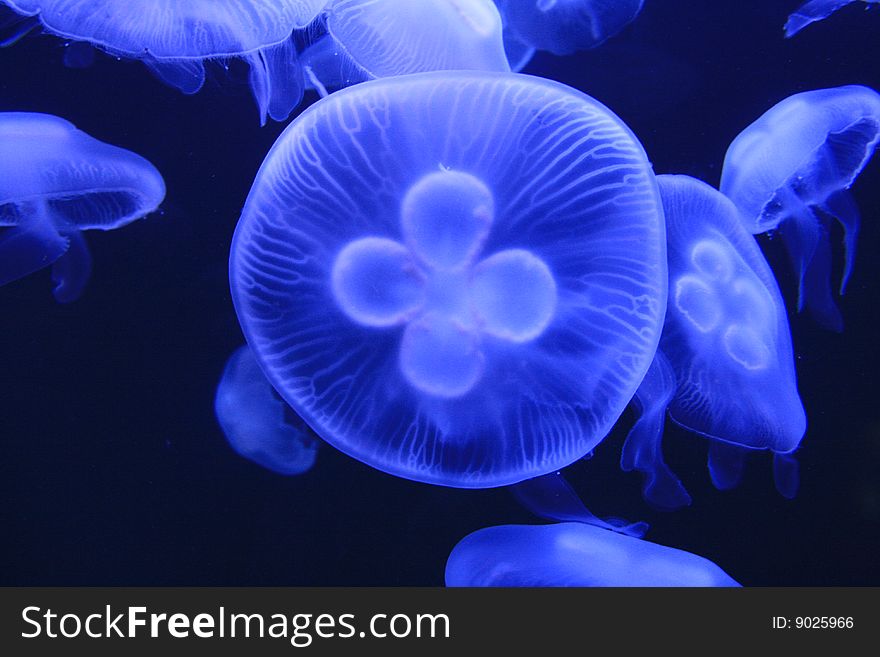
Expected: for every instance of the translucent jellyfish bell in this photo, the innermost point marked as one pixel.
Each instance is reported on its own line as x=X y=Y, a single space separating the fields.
x=455 y=277
x=816 y=10
x=56 y=181
x=369 y=39
x=175 y=38
x=257 y=424
x=724 y=368
x=790 y=170
x=566 y=26
x=573 y=554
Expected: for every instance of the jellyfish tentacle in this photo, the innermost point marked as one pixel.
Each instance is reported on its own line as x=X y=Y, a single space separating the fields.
x=726 y=464
x=642 y=449
x=276 y=80
x=842 y=207
x=187 y=75
x=71 y=272
x=551 y=497
x=28 y=248
x=786 y=474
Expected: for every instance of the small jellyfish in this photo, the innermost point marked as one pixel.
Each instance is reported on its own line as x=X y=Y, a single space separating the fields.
x=454 y=277
x=573 y=554
x=56 y=181
x=257 y=423
x=790 y=170
x=566 y=26
x=815 y=10
x=368 y=39
x=175 y=39
x=724 y=368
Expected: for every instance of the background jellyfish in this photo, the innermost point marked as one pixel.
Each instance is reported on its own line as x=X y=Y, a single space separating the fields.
x=56 y=181
x=175 y=39
x=573 y=554
x=724 y=368
x=815 y=10
x=566 y=26
x=369 y=39
x=790 y=170
x=455 y=277
x=257 y=424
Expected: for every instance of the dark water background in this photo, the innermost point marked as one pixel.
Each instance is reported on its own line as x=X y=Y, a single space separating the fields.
x=114 y=472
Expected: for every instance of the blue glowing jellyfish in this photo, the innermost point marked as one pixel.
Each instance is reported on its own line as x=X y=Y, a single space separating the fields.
x=724 y=368
x=56 y=181
x=175 y=39
x=257 y=423
x=368 y=39
x=573 y=554
x=790 y=170
x=455 y=277
x=815 y=10
x=566 y=26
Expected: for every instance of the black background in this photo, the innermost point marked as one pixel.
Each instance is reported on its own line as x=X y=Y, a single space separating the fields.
x=114 y=472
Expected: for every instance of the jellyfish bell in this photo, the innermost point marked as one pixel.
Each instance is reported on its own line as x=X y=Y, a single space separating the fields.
x=175 y=39
x=454 y=277
x=573 y=554
x=566 y=26
x=56 y=181
x=724 y=368
x=816 y=10
x=368 y=39
x=256 y=423
x=791 y=170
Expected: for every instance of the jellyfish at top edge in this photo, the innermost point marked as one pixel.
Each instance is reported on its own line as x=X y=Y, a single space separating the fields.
x=573 y=554
x=368 y=39
x=566 y=26
x=454 y=277
x=176 y=39
x=724 y=368
x=56 y=181
x=816 y=10
x=791 y=171
x=257 y=423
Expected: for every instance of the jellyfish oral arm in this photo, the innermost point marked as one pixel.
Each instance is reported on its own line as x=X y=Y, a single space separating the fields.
x=27 y=248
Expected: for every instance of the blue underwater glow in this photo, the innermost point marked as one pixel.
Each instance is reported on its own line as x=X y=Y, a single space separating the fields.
x=565 y=26
x=573 y=554
x=816 y=10
x=470 y=306
x=56 y=181
x=724 y=368
x=472 y=278
x=790 y=171
x=257 y=424
x=176 y=39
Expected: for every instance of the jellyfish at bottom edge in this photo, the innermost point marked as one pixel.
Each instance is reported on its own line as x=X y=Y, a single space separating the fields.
x=790 y=171
x=573 y=554
x=724 y=368
x=257 y=424
x=814 y=11
x=56 y=181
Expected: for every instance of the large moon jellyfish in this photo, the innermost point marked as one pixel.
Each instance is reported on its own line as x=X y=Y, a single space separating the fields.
x=790 y=170
x=573 y=554
x=455 y=277
x=56 y=181
x=257 y=424
x=566 y=26
x=724 y=368
x=815 y=10
x=368 y=39
x=175 y=39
